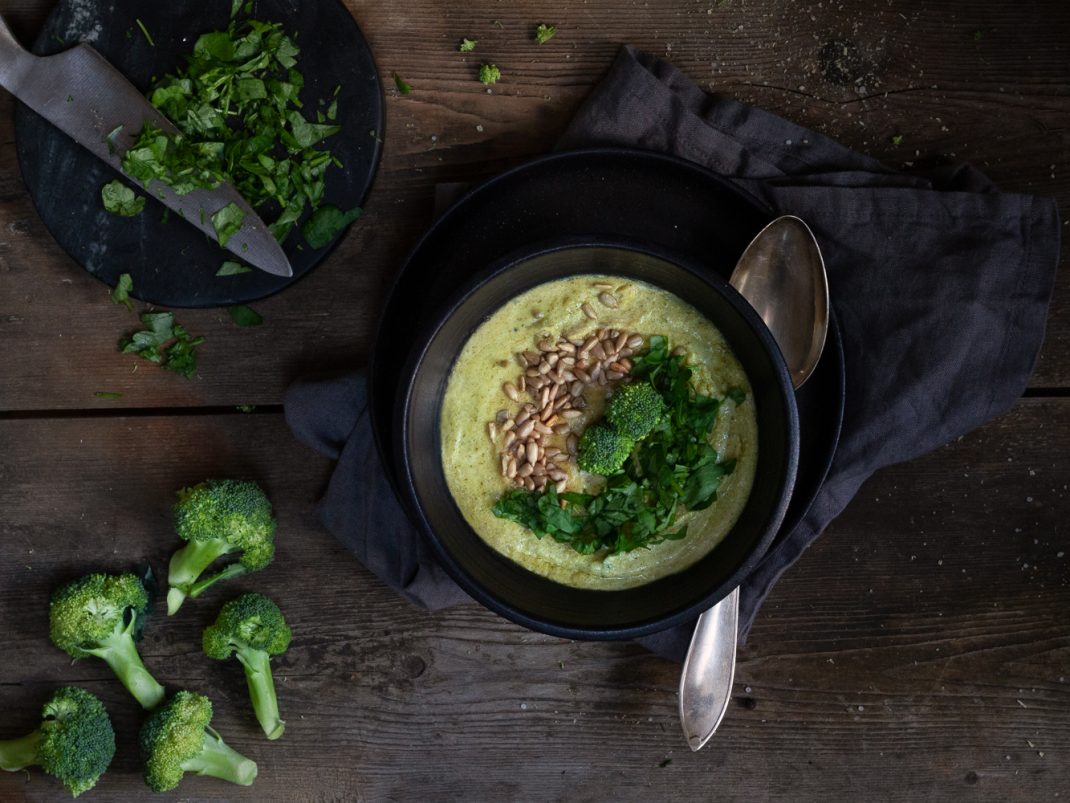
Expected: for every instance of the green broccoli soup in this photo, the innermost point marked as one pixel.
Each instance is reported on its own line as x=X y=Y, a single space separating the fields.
x=599 y=432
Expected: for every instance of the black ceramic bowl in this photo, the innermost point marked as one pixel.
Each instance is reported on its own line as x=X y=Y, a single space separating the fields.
x=521 y=595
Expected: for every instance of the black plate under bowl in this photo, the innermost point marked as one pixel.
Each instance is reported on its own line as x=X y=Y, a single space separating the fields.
x=530 y=599
x=665 y=202
x=173 y=264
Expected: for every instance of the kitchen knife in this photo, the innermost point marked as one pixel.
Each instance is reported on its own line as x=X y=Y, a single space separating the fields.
x=81 y=94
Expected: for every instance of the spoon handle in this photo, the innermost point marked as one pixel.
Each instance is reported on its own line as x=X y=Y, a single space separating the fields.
x=706 y=682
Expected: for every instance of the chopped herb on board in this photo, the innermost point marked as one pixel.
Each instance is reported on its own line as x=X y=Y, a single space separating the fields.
x=145 y=31
x=489 y=74
x=164 y=342
x=544 y=33
x=121 y=293
x=468 y=45
x=227 y=221
x=232 y=268
x=326 y=223
x=244 y=316
x=403 y=86
x=236 y=102
x=120 y=200
x=108 y=394
x=671 y=469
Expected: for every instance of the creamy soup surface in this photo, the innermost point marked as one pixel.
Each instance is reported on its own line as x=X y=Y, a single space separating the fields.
x=474 y=397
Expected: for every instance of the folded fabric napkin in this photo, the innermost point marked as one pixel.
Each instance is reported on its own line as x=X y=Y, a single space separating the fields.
x=940 y=283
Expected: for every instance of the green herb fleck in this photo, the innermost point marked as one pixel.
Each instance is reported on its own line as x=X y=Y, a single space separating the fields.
x=897 y=139
x=245 y=408
x=544 y=33
x=107 y=394
x=145 y=31
x=403 y=86
x=498 y=24
x=123 y=288
x=232 y=268
x=227 y=221
x=978 y=36
x=244 y=316
x=737 y=395
x=468 y=45
x=164 y=342
x=326 y=223
x=489 y=74
x=70 y=98
x=121 y=200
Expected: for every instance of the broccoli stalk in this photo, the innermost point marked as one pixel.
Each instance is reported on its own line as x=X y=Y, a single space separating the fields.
x=217 y=518
x=96 y=615
x=177 y=739
x=75 y=742
x=252 y=629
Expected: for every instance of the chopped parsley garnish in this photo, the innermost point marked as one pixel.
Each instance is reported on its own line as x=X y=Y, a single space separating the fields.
x=325 y=224
x=120 y=200
x=489 y=74
x=403 y=86
x=672 y=469
x=121 y=293
x=232 y=268
x=237 y=106
x=468 y=45
x=244 y=316
x=227 y=221
x=544 y=33
x=145 y=31
x=164 y=342
x=108 y=394
x=897 y=139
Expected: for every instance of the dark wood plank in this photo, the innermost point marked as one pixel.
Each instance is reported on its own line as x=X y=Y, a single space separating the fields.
x=984 y=83
x=919 y=650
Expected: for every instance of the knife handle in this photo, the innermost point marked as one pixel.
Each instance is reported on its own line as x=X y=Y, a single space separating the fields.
x=14 y=59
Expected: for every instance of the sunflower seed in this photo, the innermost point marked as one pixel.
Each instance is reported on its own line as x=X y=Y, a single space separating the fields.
x=529 y=484
x=561 y=429
x=596 y=374
x=618 y=367
x=511 y=391
x=609 y=300
x=560 y=458
x=532 y=452
x=522 y=384
x=562 y=403
x=525 y=470
x=505 y=466
x=613 y=376
x=571 y=415
x=510 y=437
x=588 y=310
x=522 y=417
x=541 y=427
x=572 y=444
x=582 y=375
x=557 y=474
x=525 y=429
x=635 y=341
x=566 y=347
x=621 y=341
x=547 y=345
x=598 y=352
x=492 y=431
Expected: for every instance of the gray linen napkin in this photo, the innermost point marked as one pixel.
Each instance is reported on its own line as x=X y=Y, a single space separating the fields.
x=941 y=285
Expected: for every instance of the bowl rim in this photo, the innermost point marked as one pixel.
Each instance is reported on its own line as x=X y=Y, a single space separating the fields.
x=487 y=597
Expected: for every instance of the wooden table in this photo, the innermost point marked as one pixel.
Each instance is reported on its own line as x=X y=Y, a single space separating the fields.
x=920 y=650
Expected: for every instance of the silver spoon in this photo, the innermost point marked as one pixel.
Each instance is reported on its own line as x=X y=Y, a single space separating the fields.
x=782 y=275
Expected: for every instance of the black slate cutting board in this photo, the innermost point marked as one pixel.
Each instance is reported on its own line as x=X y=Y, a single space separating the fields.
x=172 y=263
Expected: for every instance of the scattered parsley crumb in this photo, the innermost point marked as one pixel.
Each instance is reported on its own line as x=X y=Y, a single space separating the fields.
x=121 y=200
x=121 y=293
x=108 y=394
x=164 y=342
x=544 y=33
x=145 y=31
x=404 y=87
x=489 y=74
x=232 y=268
x=245 y=408
x=468 y=45
x=244 y=316
x=897 y=139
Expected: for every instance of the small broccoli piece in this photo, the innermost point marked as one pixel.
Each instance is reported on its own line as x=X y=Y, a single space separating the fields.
x=603 y=450
x=635 y=409
x=252 y=628
x=178 y=739
x=219 y=517
x=489 y=74
x=75 y=742
x=96 y=615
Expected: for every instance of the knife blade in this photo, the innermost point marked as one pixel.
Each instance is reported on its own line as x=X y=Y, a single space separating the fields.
x=84 y=96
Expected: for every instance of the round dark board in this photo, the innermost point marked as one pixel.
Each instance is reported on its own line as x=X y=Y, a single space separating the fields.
x=172 y=263
x=612 y=192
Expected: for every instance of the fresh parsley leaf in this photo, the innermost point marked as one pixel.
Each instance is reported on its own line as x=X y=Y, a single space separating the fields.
x=145 y=31
x=244 y=316
x=121 y=200
x=107 y=394
x=232 y=268
x=897 y=139
x=544 y=33
x=164 y=342
x=737 y=395
x=121 y=293
x=227 y=221
x=489 y=74
x=245 y=408
x=468 y=45
x=403 y=86
x=326 y=223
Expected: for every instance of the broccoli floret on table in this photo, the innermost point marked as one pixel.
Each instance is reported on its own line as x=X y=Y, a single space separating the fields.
x=253 y=629
x=635 y=409
x=603 y=450
x=97 y=615
x=178 y=739
x=219 y=517
x=75 y=742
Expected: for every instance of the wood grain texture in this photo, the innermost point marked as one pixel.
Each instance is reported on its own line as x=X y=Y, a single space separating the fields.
x=983 y=83
x=918 y=651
